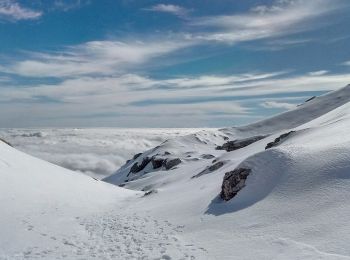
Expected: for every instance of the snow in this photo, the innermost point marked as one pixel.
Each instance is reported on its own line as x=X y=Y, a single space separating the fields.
x=294 y=204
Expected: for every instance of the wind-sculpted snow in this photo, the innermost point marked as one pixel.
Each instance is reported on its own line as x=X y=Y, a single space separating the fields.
x=95 y=152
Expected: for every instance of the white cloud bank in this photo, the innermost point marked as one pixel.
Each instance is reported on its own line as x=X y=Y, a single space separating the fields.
x=13 y=11
x=95 y=152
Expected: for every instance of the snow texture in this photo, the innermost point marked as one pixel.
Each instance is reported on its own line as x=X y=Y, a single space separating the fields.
x=293 y=205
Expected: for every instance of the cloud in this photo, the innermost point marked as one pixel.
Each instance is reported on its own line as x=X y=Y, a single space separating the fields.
x=279 y=19
x=169 y=8
x=13 y=11
x=134 y=100
x=95 y=152
x=347 y=63
x=67 y=5
x=91 y=58
x=275 y=104
x=318 y=73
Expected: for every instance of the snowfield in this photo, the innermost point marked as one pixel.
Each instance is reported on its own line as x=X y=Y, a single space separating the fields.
x=292 y=205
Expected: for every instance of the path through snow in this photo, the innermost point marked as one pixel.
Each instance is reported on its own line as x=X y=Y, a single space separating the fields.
x=115 y=235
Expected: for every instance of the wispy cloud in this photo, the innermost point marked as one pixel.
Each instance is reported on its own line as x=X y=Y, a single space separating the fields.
x=169 y=8
x=202 y=97
x=13 y=11
x=91 y=58
x=262 y=22
x=347 y=63
x=67 y=5
x=318 y=73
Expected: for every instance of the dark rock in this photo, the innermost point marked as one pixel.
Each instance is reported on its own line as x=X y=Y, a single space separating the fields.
x=137 y=168
x=308 y=100
x=225 y=138
x=312 y=98
x=157 y=162
x=209 y=169
x=216 y=166
x=167 y=153
x=136 y=156
x=2 y=140
x=150 y=192
x=171 y=163
x=238 y=144
x=233 y=182
x=207 y=156
x=278 y=140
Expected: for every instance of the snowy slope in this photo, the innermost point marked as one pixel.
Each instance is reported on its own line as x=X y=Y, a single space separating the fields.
x=192 y=148
x=293 y=205
x=295 y=201
x=48 y=212
x=41 y=204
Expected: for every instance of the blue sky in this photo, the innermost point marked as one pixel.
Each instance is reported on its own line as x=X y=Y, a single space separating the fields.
x=195 y=63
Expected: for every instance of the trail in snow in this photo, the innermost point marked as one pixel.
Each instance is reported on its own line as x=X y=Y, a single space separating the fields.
x=113 y=235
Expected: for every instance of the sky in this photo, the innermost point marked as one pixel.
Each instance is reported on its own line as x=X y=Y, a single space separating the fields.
x=189 y=63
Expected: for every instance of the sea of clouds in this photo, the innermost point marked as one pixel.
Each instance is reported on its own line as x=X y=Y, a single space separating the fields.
x=97 y=152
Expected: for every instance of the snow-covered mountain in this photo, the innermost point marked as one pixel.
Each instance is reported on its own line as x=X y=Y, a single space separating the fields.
x=276 y=189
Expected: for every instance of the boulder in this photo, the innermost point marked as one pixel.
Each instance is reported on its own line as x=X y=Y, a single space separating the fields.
x=233 y=182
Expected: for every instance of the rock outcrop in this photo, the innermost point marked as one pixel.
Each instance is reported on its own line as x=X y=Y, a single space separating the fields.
x=157 y=163
x=171 y=163
x=209 y=169
x=139 y=167
x=233 y=182
x=238 y=144
x=278 y=140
